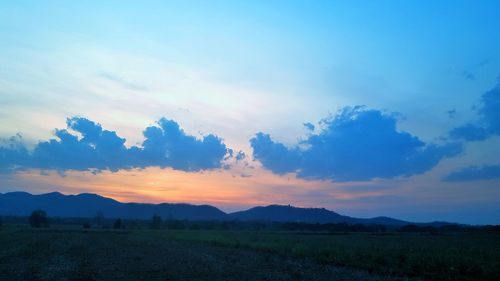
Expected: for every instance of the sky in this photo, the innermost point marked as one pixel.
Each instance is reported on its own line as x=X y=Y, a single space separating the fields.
x=366 y=108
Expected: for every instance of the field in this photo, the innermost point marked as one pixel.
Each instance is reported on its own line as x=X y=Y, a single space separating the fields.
x=65 y=253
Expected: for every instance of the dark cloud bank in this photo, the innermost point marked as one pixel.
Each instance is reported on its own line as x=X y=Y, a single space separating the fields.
x=165 y=145
x=357 y=144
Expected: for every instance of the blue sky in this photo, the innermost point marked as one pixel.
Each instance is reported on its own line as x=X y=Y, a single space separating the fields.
x=245 y=77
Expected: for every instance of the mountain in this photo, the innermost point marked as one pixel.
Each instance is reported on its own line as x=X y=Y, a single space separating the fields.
x=280 y=213
x=88 y=205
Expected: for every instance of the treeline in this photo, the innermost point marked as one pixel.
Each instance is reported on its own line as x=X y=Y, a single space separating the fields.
x=450 y=228
x=39 y=218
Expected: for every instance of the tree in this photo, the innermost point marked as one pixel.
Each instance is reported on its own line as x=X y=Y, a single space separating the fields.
x=156 y=222
x=1 y=223
x=118 y=224
x=38 y=218
x=86 y=225
x=99 y=218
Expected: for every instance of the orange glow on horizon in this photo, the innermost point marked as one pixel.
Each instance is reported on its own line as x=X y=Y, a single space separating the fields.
x=225 y=189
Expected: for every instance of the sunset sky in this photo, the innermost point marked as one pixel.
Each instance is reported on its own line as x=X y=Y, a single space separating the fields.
x=366 y=108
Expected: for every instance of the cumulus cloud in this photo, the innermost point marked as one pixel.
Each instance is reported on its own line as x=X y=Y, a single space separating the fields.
x=489 y=119
x=275 y=156
x=474 y=173
x=86 y=146
x=167 y=145
x=13 y=154
x=356 y=144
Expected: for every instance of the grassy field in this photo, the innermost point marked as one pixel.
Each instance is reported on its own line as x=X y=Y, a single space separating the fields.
x=75 y=254
x=462 y=256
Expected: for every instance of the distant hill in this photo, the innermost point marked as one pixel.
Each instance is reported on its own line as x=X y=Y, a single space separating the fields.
x=88 y=205
x=280 y=213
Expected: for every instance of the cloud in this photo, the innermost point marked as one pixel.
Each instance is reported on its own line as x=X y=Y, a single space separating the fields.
x=356 y=144
x=470 y=72
x=309 y=126
x=13 y=154
x=468 y=75
x=469 y=132
x=488 y=125
x=169 y=146
x=165 y=145
x=98 y=149
x=490 y=110
x=240 y=156
x=474 y=173
x=275 y=156
x=451 y=113
x=489 y=119
x=120 y=81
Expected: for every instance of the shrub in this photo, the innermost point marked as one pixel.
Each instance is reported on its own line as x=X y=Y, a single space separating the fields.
x=38 y=218
x=118 y=224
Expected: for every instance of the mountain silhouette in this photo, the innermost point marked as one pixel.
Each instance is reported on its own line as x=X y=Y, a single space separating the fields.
x=88 y=205
x=280 y=213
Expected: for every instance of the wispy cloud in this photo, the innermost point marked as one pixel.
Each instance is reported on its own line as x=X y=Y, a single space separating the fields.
x=122 y=82
x=474 y=173
x=471 y=72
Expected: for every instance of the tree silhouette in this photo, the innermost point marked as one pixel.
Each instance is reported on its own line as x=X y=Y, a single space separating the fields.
x=38 y=218
x=156 y=222
x=118 y=224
